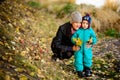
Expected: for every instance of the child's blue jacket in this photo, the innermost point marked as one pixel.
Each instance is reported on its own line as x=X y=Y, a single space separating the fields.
x=84 y=35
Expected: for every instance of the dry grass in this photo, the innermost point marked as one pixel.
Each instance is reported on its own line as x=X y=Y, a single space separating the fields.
x=106 y=18
x=112 y=4
x=102 y=18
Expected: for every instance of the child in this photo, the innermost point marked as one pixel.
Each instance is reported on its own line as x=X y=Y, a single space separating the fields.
x=85 y=37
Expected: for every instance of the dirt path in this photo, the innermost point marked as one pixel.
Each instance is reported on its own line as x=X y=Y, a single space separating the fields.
x=107 y=46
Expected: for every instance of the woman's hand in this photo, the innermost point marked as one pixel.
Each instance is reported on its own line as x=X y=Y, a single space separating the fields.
x=75 y=48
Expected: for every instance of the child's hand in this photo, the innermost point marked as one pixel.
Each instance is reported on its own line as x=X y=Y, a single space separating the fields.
x=90 y=41
x=75 y=48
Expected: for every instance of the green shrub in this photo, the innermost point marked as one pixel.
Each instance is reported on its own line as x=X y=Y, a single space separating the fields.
x=34 y=4
x=68 y=8
x=112 y=33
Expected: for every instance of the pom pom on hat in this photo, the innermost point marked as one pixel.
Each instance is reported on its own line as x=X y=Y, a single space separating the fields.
x=76 y=17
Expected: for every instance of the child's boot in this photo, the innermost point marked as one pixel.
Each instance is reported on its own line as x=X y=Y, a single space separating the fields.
x=80 y=74
x=88 y=72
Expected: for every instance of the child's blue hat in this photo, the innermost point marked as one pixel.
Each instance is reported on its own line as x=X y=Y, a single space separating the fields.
x=87 y=18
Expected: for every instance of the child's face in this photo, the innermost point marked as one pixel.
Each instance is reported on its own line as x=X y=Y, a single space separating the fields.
x=76 y=26
x=85 y=24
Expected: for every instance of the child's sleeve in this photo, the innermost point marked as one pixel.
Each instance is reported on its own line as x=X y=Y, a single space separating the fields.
x=94 y=37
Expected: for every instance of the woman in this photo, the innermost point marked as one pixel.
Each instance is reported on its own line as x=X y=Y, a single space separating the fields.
x=61 y=45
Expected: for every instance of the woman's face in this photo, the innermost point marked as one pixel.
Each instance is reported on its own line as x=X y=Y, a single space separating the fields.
x=85 y=24
x=76 y=26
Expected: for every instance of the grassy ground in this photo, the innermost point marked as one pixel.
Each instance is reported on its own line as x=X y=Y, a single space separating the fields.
x=26 y=33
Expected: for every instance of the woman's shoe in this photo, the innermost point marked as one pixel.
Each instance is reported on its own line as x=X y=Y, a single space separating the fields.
x=54 y=57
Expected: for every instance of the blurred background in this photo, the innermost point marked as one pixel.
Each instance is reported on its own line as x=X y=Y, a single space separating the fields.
x=105 y=13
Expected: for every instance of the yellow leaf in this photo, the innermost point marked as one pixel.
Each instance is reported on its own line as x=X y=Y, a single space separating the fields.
x=1 y=43
x=10 y=59
x=64 y=73
x=23 y=53
x=77 y=41
x=22 y=21
x=4 y=57
x=17 y=29
x=7 y=77
x=38 y=71
x=32 y=73
x=23 y=77
x=43 y=39
x=19 y=69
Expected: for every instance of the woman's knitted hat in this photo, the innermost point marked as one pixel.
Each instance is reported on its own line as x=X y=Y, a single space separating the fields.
x=76 y=17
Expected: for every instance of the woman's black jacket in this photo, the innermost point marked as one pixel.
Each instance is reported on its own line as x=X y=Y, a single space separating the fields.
x=62 y=40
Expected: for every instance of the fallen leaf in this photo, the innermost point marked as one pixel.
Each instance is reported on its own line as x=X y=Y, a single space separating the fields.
x=7 y=77
x=32 y=73
x=19 y=69
x=23 y=77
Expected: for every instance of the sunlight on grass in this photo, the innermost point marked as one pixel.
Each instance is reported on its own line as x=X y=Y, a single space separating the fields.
x=111 y=4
